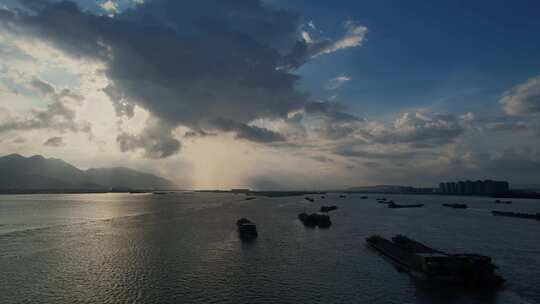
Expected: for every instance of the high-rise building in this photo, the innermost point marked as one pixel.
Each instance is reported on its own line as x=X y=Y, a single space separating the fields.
x=487 y=187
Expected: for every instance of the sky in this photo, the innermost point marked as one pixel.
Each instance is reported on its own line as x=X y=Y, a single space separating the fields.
x=275 y=94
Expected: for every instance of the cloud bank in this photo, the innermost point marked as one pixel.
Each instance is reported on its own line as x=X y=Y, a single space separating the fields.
x=189 y=63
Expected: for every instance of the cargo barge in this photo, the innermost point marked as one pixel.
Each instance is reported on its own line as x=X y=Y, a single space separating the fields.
x=247 y=230
x=455 y=205
x=531 y=216
x=431 y=265
x=395 y=206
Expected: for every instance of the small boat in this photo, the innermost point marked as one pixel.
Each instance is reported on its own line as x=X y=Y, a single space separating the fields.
x=309 y=199
x=502 y=202
x=315 y=219
x=250 y=198
x=322 y=196
x=473 y=271
x=530 y=216
x=328 y=208
x=394 y=205
x=456 y=205
x=364 y=197
x=342 y=196
x=385 y=202
x=246 y=229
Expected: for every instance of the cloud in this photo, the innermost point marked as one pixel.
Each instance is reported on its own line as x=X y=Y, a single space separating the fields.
x=109 y=6
x=337 y=82
x=312 y=45
x=42 y=87
x=156 y=140
x=355 y=152
x=523 y=99
x=19 y=140
x=506 y=126
x=56 y=116
x=244 y=131
x=121 y=105
x=419 y=130
x=45 y=89
x=54 y=142
x=154 y=58
x=354 y=36
x=329 y=120
x=186 y=62
x=199 y=133
x=322 y=158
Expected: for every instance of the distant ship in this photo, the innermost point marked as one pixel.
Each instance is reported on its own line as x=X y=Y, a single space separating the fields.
x=502 y=202
x=315 y=219
x=456 y=205
x=394 y=205
x=428 y=264
x=246 y=229
x=327 y=208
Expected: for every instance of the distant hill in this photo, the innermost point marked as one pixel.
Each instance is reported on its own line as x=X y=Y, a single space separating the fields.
x=392 y=189
x=380 y=188
x=39 y=173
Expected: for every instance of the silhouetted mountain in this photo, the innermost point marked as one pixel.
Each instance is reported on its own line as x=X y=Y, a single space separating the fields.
x=38 y=173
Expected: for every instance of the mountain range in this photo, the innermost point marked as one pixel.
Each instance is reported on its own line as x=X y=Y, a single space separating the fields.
x=39 y=173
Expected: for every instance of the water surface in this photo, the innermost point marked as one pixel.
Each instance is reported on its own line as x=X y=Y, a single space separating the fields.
x=183 y=248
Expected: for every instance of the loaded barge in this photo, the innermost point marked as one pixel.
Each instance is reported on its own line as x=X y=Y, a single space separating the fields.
x=456 y=205
x=247 y=230
x=428 y=264
x=517 y=214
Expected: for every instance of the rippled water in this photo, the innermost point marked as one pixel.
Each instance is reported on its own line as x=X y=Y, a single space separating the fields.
x=183 y=248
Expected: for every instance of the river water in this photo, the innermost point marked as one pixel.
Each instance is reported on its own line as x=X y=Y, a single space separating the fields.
x=184 y=248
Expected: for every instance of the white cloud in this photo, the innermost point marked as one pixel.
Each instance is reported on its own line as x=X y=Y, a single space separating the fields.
x=337 y=82
x=354 y=36
x=110 y=6
x=523 y=99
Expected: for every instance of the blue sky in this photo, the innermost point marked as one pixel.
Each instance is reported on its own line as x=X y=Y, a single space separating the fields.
x=295 y=94
x=461 y=55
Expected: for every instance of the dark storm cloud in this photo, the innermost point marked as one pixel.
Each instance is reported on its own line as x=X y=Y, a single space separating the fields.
x=156 y=140
x=244 y=131
x=187 y=62
x=199 y=133
x=54 y=142
x=121 y=106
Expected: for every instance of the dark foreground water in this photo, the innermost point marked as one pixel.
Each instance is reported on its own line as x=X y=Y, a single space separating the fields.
x=183 y=248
